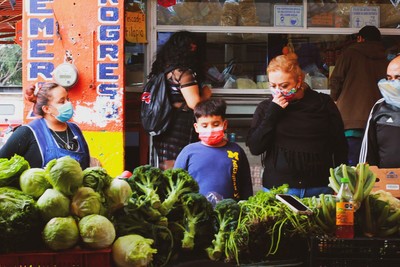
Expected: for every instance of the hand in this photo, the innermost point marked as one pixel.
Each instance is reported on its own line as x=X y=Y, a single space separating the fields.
x=280 y=100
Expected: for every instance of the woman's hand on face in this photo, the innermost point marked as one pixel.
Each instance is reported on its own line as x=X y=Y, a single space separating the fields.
x=280 y=100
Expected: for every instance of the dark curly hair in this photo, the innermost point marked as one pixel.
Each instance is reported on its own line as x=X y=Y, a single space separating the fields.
x=177 y=52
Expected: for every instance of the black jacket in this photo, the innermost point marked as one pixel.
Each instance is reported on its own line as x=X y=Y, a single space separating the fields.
x=299 y=143
x=384 y=136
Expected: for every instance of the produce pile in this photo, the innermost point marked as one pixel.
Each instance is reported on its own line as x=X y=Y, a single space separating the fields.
x=157 y=218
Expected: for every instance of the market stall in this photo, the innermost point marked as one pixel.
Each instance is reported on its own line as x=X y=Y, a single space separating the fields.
x=62 y=215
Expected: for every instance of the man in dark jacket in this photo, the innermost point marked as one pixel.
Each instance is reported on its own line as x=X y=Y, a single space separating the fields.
x=353 y=84
x=381 y=141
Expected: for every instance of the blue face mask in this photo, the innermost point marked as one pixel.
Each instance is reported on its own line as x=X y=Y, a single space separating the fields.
x=390 y=91
x=65 y=112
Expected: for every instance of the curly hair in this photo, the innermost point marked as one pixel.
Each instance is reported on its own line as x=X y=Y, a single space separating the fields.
x=178 y=52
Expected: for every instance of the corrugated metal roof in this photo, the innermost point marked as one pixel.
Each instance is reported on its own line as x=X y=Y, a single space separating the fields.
x=10 y=13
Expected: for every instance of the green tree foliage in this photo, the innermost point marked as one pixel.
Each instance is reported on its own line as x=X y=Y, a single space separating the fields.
x=10 y=65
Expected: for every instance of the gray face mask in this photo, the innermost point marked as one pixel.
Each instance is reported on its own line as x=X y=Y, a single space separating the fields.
x=390 y=91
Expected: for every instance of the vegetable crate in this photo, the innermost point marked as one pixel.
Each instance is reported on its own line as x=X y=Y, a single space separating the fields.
x=366 y=252
x=68 y=258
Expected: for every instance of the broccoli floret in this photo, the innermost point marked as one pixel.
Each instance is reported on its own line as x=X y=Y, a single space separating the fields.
x=142 y=204
x=198 y=222
x=145 y=180
x=177 y=183
x=227 y=213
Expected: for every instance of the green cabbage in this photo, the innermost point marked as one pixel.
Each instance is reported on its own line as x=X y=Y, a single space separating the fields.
x=96 y=178
x=65 y=174
x=53 y=204
x=118 y=194
x=85 y=202
x=11 y=169
x=61 y=233
x=20 y=222
x=96 y=231
x=133 y=251
x=34 y=182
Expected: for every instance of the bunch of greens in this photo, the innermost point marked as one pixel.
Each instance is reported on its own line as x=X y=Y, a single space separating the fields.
x=11 y=169
x=162 y=208
x=20 y=222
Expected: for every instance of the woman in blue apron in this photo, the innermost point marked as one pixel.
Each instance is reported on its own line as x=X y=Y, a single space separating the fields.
x=50 y=136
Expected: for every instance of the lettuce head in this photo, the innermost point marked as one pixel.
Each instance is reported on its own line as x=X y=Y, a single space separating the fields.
x=33 y=182
x=53 y=204
x=65 y=175
x=61 y=233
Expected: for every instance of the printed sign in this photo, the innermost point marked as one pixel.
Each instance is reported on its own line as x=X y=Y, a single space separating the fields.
x=361 y=16
x=288 y=16
x=135 y=27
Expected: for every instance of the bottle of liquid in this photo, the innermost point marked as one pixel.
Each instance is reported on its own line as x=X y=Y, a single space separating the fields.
x=344 y=211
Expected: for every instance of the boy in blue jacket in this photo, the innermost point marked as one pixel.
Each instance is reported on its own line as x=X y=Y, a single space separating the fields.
x=219 y=166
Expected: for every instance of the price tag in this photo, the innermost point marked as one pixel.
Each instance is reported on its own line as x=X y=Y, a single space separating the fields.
x=135 y=27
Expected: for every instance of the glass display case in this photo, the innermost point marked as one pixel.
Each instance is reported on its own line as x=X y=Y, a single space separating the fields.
x=241 y=36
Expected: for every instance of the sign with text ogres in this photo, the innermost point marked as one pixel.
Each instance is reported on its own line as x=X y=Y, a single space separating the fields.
x=90 y=36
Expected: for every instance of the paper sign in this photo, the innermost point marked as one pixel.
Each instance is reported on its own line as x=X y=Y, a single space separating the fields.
x=361 y=16
x=288 y=16
x=135 y=27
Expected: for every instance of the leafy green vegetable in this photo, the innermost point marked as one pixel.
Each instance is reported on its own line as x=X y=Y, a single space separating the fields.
x=96 y=178
x=177 y=183
x=53 y=203
x=65 y=175
x=96 y=231
x=11 y=169
x=145 y=181
x=33 y=182
x=61 y=233
x=118 y=194
x=361 y=178
x=133 y=251
x=227 y=215
x=86 y=201
x=20 y=221
x=198 y=221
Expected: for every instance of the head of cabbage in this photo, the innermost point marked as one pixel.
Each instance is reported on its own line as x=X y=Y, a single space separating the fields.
x=61 y=233
x=86 y=201
x=33 y=182
x=96 y=231
x=53 y=203
x=118 y=194
x=133 y=250
x=96 y=178
x=65 y=175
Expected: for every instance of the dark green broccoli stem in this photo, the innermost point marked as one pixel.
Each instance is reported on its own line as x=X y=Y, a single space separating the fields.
x=227 y=211
x=218 y=244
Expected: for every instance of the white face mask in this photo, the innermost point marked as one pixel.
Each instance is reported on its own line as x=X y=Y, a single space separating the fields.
x=390 y=91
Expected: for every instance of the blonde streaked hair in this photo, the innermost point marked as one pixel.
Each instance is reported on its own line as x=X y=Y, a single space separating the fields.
x=286 y=63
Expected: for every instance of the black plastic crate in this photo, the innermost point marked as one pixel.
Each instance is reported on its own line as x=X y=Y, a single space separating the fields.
x=366 y=252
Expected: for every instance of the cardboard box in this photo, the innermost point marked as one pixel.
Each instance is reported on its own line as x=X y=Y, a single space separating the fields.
x=387 y=179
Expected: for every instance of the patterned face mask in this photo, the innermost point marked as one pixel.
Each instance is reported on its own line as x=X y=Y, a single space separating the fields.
x=288 y=95
x=390 y=91
x=213 y=136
